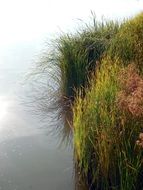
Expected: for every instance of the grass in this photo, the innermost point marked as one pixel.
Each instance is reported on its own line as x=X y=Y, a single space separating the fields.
x=105 y=135
x=108 y=119
x=78 y=54
x=128 y=43
x=101 y=70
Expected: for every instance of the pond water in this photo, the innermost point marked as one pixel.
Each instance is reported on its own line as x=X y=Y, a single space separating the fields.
x=31 y=156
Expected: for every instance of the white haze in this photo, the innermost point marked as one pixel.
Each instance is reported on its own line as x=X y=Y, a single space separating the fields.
x=29 y=20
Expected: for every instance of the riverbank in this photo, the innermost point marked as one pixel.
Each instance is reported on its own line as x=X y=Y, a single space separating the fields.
x=108 y=120
x=102 y=77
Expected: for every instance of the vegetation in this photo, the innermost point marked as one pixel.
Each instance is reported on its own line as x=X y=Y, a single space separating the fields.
x=107 y=123
x=77 y=55
x=128 y=43
x=101 y=70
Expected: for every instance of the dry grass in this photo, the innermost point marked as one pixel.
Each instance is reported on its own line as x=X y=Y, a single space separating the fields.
x=130 y=98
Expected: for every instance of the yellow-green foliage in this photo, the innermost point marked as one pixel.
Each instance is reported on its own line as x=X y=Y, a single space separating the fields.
x=128 y=43
x=95 y=120
x=78 y=53
x=105 y=137
x=107 y=116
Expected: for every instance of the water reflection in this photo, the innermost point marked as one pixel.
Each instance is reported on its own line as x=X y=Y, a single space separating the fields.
x=4 y=104
x=44 y=100
x=47 y=104
x=30 y=157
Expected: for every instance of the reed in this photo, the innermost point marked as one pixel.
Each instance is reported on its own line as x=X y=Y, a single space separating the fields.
x=100 y=68
x=128 y=43
x=78 y=54
x=105 y=133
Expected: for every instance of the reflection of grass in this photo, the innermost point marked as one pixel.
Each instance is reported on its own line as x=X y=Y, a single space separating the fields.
x=105 y=135
x=44 y=101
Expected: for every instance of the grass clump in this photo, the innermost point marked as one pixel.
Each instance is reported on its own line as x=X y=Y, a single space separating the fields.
x=128 y=43
x=79 y=53
x=105 y=133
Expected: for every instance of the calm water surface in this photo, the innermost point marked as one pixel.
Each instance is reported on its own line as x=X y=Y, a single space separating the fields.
x=31 y=157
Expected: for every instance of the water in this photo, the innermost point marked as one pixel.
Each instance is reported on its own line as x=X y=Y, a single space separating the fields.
x=31 y=157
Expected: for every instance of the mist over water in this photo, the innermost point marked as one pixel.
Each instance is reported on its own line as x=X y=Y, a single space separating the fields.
x=31 y=156
x=31 y=153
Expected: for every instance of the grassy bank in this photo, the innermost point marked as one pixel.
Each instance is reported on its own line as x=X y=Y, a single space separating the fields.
x=128 y=43
x=107 y=124
x=101 y=69
x=108 y=121
x=80 y=53
x=77 y=55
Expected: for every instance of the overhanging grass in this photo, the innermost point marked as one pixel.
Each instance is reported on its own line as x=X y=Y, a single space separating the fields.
x=76 y=55
x=80 y=53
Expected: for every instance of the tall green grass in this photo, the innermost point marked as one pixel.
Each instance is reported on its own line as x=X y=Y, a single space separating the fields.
x=128 y=43
x=108 y=100
x=79 y=53
x=105 y=136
